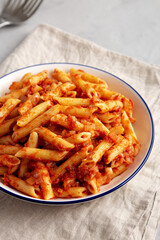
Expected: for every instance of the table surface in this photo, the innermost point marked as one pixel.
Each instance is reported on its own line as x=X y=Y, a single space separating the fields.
x=128 y=27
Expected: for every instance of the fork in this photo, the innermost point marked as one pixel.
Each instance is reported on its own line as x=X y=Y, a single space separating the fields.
x=18 y=11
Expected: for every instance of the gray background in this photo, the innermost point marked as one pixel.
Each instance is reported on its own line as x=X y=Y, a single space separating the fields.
x=131 y=27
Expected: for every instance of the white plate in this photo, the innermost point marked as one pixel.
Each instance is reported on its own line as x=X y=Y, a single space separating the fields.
x=143 y=126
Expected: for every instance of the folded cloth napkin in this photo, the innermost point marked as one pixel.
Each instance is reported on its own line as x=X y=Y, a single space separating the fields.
x=131 y=212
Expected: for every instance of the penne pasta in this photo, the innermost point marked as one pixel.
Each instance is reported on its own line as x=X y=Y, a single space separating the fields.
x=58 y=91
x=69 y=122
x=119 y=170
x=128 y=106
x=29 y=103
x=13 y=169
x=93 y=186
x=20 y=185
x=45 y=182
x=32 y=142
x=13 y=113
x=7 y=140
x=6 y=126
x=41 y=154
x=88 y=77
x=19 y=93
x=54 y=139
x=74 y=160
x=107 y=94
x=108 y=105
x=74 y=192
x=107 y=117
x=73 y=101
x=7 y=108
x=61 y=76
x=79 y=112
x=37 y=122
x=99 y=126
x=79 y=138
x=98 y=152
x=116 y=133
x=64 y=134
x=9 y=149
x=3 y=170
x=35 y=79
x=85 y=87
x=17 y=85
x=70 y=94
x=15 y=94
x=128 y=126
x=116 y=150
x=9 y=160
x=33 y=113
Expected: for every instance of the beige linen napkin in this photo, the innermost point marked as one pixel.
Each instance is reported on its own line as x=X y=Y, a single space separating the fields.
x=131 y=212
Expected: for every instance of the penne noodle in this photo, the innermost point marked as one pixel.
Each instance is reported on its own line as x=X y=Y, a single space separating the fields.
x=71 y=94
x=15 y=127
x=97 y=153
x=54 y=139
x=69 y=122
x=108 y=105
x=9 y=160
x=74 y=160
x=15 y=94
x=99 y=126
x=3 y=170
x=29 y=103
x=106 y=177
x=128 y=106
x=88 y=77
x=61 y=76
x=85 y=87
x=92 y=186
x=6 y=126
x=116 y=133
x=107 y=117
x=9 y=149
x=58 y=91
x=117 y=171
x=41 y=154
x=20 y=185
x=37 y=122
x=13 y=113
x=79 y=138
x=7 y=140
x=17 y=85
x=130 y=132
x=45 y=182
x=74 y=192
x=107 y=94
x=73 y=101
x=13 y=169
x=79 y=112
x=35 y=79
x=33 y=113
x=116 y=150
x=7 y=108
x=128 y=126
x=19 y=93
x=32 y=142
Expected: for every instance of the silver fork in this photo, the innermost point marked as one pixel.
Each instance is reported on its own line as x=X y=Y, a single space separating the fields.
x=18 y=11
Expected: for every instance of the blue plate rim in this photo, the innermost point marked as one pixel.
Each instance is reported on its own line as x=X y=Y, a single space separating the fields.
x=91 y=197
